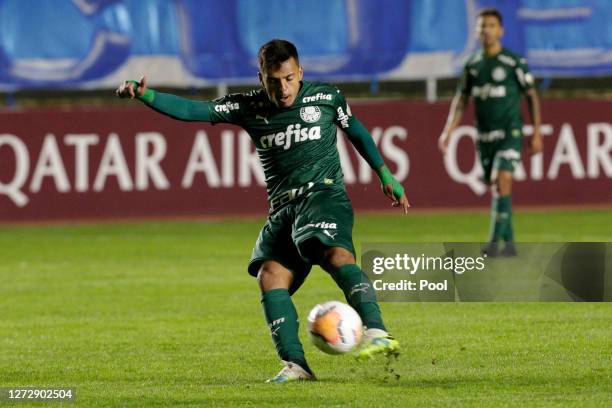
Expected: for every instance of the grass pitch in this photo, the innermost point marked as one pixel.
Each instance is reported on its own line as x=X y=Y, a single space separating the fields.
x=164 y=314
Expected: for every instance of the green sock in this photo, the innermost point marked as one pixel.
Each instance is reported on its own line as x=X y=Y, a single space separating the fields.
x=282 y=320
x=360 y=294
x=508 y=233
x=501 y=219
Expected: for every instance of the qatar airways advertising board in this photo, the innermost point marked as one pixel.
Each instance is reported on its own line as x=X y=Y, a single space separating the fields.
x=133 y=162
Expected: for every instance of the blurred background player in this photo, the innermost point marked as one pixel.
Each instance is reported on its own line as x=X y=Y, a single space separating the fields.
x=496 y=78
x=293 y=125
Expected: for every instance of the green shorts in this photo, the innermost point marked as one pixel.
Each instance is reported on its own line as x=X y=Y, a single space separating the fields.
x=325 y=215
x=499 y=154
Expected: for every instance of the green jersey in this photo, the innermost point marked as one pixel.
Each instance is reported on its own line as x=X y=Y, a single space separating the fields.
x=296 y=145
x=496 y=84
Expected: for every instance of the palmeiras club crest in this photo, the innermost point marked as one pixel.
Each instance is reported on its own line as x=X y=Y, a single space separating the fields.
x=310 y=114
x=499 y=74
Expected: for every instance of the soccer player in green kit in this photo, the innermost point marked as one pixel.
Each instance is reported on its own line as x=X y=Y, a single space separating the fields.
x=293 y=126
x=495 y=78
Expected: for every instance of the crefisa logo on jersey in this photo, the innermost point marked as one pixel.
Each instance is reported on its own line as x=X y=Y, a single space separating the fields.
x=227 y=107
x=294 y=133
x=318 y=97
x=499 y=74
x=310 y=114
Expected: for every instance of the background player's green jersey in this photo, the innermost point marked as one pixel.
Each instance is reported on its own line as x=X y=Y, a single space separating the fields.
x=296 y=145
x=496 y=84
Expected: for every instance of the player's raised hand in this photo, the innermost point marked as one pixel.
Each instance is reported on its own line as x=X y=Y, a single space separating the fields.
x=443 y=142
x=392 y=188
x=536 y=145
x=398 y=200
x=132 y=89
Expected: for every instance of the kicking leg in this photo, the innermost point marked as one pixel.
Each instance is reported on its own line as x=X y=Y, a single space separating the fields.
x=357 y=288
x=359 y=293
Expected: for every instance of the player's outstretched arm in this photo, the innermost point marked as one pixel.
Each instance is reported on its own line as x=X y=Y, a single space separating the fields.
x=170 y=105
x=536 y=144
x=363 y=142
x=455 y=114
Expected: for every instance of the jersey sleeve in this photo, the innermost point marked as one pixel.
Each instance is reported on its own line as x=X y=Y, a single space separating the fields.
x=177 y=107
x=523 y=75
x=344 y=117
x=228 y=109
x=464 y=87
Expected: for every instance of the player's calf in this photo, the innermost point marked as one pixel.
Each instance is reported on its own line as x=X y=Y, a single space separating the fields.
x=357 y=288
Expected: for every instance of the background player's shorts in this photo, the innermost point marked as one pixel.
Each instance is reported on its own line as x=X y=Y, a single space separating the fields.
x=503 y=154
x=325 y=215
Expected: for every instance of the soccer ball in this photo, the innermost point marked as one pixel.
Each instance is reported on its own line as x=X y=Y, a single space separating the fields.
x=334 y=327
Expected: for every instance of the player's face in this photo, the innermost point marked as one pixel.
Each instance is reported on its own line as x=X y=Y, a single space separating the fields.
x=489 y=30
x=283 y=83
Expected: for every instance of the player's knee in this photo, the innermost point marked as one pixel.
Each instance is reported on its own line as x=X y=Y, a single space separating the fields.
x=335 y=257
x=273 y=275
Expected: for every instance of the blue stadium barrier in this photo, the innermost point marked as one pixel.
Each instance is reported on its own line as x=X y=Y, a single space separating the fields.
x=91 y=43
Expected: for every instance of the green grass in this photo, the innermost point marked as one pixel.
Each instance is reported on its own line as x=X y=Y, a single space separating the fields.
x=164 y=314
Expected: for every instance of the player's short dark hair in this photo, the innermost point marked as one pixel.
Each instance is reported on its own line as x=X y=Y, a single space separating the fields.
x=493 y=12
x=273 y=53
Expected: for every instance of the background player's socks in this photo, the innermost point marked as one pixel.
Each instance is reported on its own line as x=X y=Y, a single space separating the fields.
x=360 y=295
x=501 y=219
x=495 y=230
x=506 y=207
x=282 y=320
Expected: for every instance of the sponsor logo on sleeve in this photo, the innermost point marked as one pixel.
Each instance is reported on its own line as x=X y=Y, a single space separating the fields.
x=227 y=107
x=343 y=118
